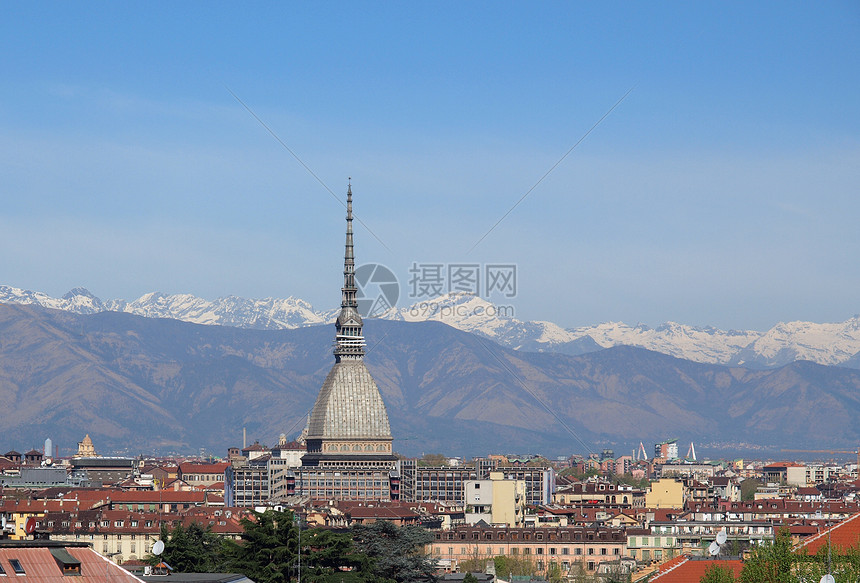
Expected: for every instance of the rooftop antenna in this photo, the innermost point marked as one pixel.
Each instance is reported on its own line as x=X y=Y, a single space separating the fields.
x=828 y=578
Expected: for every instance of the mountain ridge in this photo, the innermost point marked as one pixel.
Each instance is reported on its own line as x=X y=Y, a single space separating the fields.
x=827 y=343
x=140 y=384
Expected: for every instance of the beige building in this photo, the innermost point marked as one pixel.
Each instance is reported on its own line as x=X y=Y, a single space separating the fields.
x=122 y=536
x=204 y=475
x=86 y=447
x=665 y=493
x=496 y=501
x=565 y=548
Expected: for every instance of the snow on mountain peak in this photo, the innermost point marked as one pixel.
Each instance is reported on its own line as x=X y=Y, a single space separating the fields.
x=829 y=343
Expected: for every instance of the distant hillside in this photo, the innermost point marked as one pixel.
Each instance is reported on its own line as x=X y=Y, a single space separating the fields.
x=830 y=344
x=139 y=384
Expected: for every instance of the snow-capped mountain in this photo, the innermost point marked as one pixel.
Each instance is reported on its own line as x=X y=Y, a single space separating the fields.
x=835 y=343
x=830 y=343
x=265 y=314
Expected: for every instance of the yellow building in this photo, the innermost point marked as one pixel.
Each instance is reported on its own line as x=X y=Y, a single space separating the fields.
x=665 y=493
x=496 y=501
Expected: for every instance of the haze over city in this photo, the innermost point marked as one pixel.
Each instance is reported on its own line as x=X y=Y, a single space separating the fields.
x=720 y=191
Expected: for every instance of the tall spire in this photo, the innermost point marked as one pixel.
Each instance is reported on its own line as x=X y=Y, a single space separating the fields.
x=349 y=342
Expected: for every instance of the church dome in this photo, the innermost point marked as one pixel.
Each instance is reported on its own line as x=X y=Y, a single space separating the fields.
x=349 y=406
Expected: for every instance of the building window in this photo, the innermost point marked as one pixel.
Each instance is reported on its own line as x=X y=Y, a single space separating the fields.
x=16 y=566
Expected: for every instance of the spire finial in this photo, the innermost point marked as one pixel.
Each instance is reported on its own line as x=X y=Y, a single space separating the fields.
x=349 y=343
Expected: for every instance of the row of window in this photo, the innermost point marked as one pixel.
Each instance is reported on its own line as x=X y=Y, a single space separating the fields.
x=645 y=541
x=577 y=535
x=367 y=494
x=345 y=483
x=345 y=474
x=206 y=477
x=490 y=551
x=102 y=524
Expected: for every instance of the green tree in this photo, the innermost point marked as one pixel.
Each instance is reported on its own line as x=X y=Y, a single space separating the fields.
x=616 y=574
x=469 y=578
x=772 y=562
x=397 y=552
x=749 y=488
x=191 y=549
x=718 y=574
x=267 y=552
x=433 y=459
x=843 y=565
x=329 y=556
x=554 y=574
x=508 y=565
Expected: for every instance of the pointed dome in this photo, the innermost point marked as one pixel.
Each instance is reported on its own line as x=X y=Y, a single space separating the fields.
x=349 y=406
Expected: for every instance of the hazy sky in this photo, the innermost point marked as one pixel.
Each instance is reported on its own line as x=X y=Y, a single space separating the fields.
x=722 y=191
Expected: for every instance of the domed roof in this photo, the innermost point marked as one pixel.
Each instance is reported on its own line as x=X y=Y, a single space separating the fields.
x=349 y=406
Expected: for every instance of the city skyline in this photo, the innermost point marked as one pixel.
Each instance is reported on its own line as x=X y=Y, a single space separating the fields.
x=719 y=192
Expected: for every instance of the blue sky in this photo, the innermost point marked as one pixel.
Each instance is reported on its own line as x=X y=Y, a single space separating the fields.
x=722 y=191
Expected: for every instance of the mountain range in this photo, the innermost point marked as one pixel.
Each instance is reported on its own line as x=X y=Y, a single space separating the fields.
x=140 y=384
x=827 y=343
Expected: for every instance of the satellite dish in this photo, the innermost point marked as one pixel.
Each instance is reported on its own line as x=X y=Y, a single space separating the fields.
x=714 y=548
x=158 y=547
x=722 y=537
x=30 y=525
x=828 y=579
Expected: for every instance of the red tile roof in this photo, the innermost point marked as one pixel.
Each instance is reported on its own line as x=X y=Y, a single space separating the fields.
x=41 y=566
x=684 y=570
x=191 y=468
x=844 y=535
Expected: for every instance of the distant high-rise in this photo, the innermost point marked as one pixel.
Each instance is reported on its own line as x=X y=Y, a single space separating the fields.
x=348 y=435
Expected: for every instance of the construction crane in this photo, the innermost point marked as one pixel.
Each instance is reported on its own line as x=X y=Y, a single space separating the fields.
x=830 y=451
